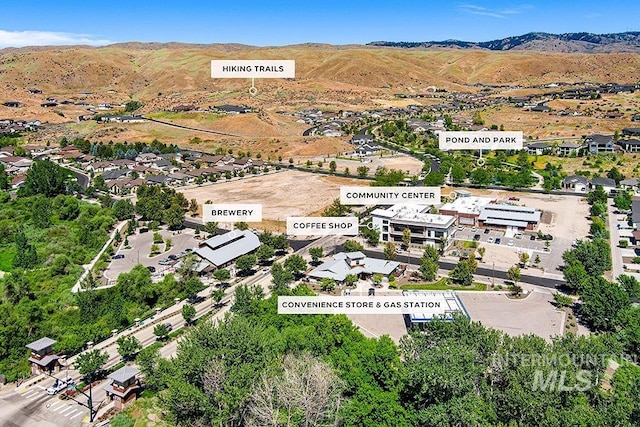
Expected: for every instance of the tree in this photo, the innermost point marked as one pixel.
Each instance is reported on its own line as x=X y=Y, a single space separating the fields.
x=477 y=118
x=351 y=279
x=245 y=263
x=352 y=246
x=390 y=251
x=562 y=300
x=295 y=264
x=155 y=249
x=45 y=177
x=603 y=304
x=161 y=331
x=480 y=177
x=167 y=244
x=597 y=196
x=575 y=275
x=513 y=274
x=615 y=174
x=128 y=347
x=221 y=275
x=434 y=179
x=123 y=209
x=90 y=362
x=26 y=256
x=193 y=207
x=598 y=228
x=280 y=242
x=332 y=166
x=316 y=253
x=307 y=391
x=362 y=171
x=623 y=201
x=265 y=252
x=211 y=228
x=595 y=256
x=188 y=313
x=630 y=284
x=372 y=236
x=481 y=251
x=377 y=279
x=406 y=238
x=524 y=259
x=217 y=295
x=188 y=268
x=428 y=269
x=462 y=273
x=242 y=226
x=327 y=284
x=174 y=217
x=281 y=277
x=458 y=173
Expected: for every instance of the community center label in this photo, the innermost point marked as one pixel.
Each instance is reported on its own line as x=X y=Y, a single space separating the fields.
x=389 y=195
x=481 y=140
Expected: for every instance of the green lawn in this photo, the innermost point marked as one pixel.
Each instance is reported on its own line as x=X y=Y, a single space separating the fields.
x=441 y=285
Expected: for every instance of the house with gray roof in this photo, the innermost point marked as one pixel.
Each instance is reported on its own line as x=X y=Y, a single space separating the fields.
x=597 y=144
x=42 y=358
x=576 y=183
x=607 y=184
x=123 y=387
x=344 y=264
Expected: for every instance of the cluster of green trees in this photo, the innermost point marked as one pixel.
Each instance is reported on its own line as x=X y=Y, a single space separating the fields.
x=260 y=368
x=119 y=150
x=44 y=241
x=162 y=204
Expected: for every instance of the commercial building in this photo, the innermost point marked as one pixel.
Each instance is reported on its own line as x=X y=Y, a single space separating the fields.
x=344 y=264
x=220 y=251
x=510 y=217
x=466 y=208
x=426 y=228
x=446 y=305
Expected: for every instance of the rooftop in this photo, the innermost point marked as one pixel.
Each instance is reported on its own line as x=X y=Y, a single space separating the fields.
x=467 y=204
x=446 y=303
x=41 y=344
x=223 y=248
x=414 y=213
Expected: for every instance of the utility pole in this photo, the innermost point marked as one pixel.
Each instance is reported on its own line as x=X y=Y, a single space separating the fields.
x=92 y=412
x=493 y=278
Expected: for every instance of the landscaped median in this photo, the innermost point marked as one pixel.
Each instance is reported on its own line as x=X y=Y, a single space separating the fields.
x=443 y=285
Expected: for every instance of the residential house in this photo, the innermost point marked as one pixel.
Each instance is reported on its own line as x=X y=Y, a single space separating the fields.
x=540 y=108
x=630 y=184
x=11 y=104
x=567 y=149
x=630 y=132
x=576 y=183
x=366 y=149
x=607 y=184
x=362 y=138
x=629 y=145
x=597 y=144
x=233 y=109
x=538 y=148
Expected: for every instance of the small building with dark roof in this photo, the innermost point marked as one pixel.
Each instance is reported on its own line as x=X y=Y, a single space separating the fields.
x=597 y=144
x=42 y=358
x=607 y=184
x=577 y=183
x=124 y=387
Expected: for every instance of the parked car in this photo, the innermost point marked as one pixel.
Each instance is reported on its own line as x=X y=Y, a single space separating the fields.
x=486 y=231
x=532 y=237
x=510 y=243
x=476 y=237
x=59 y=385
x=169 y=326
x=461 y=227
x=490 y=240
x=514 y=198
x=143 y=230
x=497 y=242
x=172 y=257
x=118 y=256
x=151 y=268
x=164 y=261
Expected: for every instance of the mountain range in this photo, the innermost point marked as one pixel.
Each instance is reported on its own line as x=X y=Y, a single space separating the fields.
x=628 y=42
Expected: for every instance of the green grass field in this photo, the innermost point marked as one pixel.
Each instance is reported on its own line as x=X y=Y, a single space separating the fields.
x=441 y=285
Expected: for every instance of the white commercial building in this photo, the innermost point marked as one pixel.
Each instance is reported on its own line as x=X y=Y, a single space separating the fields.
x=426 y=228
x=446 y=304
x=466 y=208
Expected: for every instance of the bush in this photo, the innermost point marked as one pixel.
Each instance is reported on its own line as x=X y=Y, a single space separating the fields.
x=623 y=243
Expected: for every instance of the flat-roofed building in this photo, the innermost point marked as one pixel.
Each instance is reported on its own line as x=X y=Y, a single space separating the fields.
x=466 y=209
x=510 y=217
x=426 y=228
x=446 y=304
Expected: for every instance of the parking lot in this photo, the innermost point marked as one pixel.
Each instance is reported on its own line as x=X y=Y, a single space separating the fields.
x=140 y=244
x=534 y=314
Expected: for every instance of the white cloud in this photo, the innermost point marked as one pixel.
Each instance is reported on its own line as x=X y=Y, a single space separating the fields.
x=474 y=9
x=47 y=38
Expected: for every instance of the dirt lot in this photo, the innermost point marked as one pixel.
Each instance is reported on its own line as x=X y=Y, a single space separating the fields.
x=407 y=164
x=283 y=194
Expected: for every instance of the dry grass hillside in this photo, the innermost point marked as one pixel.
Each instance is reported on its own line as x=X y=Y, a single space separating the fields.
x=323 y=73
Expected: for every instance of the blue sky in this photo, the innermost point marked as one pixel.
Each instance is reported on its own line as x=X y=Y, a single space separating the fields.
x=269 y=23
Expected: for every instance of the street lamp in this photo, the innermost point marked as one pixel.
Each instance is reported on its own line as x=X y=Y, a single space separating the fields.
x=493 y=278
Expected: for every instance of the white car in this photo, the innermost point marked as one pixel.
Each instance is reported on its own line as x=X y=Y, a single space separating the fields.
x=510 y=243
x=490 y=240
x=59 y=385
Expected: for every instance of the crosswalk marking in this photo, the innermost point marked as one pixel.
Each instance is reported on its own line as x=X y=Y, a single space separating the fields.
x=66 y=409
x=53 y=405
x=76 y=415
x=29 y=394
x=69 y=413
x=62 y=408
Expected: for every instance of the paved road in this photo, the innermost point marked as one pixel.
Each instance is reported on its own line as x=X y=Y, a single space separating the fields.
x=545 y=280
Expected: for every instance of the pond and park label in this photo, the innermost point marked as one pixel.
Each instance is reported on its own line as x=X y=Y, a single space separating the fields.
x=235 y=212
x=481 y=140
x=389 y=195
x=322 y=226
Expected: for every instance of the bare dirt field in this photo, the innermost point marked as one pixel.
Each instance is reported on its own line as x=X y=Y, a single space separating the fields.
x=283 y=194
x=407 y=164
